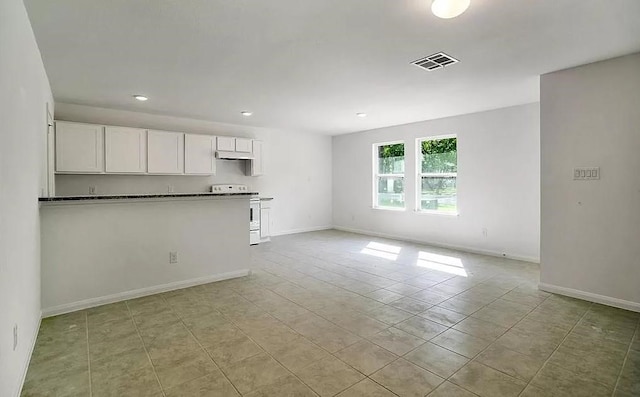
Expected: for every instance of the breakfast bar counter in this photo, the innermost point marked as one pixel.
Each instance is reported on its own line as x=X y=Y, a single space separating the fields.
x=103 y=249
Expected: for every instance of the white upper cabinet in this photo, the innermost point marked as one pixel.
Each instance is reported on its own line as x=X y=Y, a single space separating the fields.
x=125 y=150
x=226 y=144
x=165 y=152
x=243 y=145
x=199 y=154
x=79 y=147
x=255 y=166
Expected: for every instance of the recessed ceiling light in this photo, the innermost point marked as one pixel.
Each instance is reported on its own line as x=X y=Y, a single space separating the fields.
x=361 y=114
x=449 y=8
x=246 y=113
x=140 y=97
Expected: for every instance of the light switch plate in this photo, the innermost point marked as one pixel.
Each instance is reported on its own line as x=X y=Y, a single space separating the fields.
x=586 y=173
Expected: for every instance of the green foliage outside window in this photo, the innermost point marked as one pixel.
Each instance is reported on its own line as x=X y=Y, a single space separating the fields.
x=439 y=161
x=391 y=159
x=440 y=155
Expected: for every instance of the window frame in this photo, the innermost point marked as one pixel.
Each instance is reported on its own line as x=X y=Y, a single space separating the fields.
x=376 y=175
x=420 y=175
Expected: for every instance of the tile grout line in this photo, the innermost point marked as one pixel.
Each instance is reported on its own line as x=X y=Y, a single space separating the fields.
x=468 y=316
x=311 y=341
x=415 y=315
x=471 y=359
x=153 y=368
x=626 y=357
x=544 y=364
x=257 y=344
x=201 y=347
x=391 y=326
x=86 y=322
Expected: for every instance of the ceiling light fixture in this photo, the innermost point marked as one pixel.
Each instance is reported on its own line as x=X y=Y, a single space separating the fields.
x=361 y=114
x=141 y=98
x=246 y=113
x=449 y=8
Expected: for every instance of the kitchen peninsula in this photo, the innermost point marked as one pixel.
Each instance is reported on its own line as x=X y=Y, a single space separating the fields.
x=102 y=249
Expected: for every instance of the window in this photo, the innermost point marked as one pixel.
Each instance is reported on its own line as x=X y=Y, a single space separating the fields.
x=437 y=175
x=388 y=176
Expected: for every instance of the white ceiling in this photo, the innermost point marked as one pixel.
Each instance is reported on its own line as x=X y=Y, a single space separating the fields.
x=311 y=65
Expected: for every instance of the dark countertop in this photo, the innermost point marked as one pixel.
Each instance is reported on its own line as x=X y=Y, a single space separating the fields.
x=141 y=196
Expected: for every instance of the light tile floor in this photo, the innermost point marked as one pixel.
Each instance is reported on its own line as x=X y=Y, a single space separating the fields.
x=333 y=313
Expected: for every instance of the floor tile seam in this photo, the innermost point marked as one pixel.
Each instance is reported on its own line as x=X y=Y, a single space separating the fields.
x=381 y=385
x=490 y=322
x=146 y=351
x=350 y=267
x=326 y=319
x=474 y=358
x=626 y=357
x=278 y=361
x=269 y=354
x=468 y=391
x=421 y=318
x=88 y=353
x=402 y=358
x=398 y=355
x=546 y=361
x=357 y=293
x=181 y=320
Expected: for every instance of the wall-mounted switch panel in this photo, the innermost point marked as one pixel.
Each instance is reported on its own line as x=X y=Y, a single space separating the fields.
x=586 y=173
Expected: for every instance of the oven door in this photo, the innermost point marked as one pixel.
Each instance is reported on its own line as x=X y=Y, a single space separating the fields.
x=254 y=215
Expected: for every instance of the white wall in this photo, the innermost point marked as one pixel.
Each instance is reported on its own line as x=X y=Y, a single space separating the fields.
x=297 y=167
x=110 y=251
x=23 y=97
x=498 y=183
x=590 y=234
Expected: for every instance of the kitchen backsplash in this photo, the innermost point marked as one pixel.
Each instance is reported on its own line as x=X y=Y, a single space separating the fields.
x=228 y=171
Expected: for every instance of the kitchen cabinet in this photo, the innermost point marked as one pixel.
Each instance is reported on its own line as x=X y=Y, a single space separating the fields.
x=199 y=154
x=265 y=220
x=165 y=152
x=226 y=144
x=255 y=166
x=97 y=149
x=79 y=148
x=125 y=150
x=243 y=145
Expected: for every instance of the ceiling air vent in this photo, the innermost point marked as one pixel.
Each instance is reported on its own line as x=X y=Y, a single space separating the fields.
x=435 y=61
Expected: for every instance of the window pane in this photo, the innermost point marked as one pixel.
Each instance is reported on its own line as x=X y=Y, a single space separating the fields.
x=440 y=155
x=391 y=159
x=391 y=192
x=438 y=194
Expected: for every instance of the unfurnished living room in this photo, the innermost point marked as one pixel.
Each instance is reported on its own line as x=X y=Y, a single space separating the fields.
x=294 y=198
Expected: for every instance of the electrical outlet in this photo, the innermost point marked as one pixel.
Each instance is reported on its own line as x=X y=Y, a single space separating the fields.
x=173 y=257
x=170 y=189
x=15 y=336
x=92 y=190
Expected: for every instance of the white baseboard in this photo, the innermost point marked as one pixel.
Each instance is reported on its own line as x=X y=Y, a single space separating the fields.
x=303 y=230
x=588 y=296
x=441 y=245
x=138 y=293
x=34 y=338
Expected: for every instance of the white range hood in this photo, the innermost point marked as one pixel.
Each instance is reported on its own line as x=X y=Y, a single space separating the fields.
x=223 y=155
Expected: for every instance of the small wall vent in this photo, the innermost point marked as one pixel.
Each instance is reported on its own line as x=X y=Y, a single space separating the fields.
x=435 y=61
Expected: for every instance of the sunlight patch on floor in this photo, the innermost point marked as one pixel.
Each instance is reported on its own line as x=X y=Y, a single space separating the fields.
x=441 y=263
x=380 y=250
